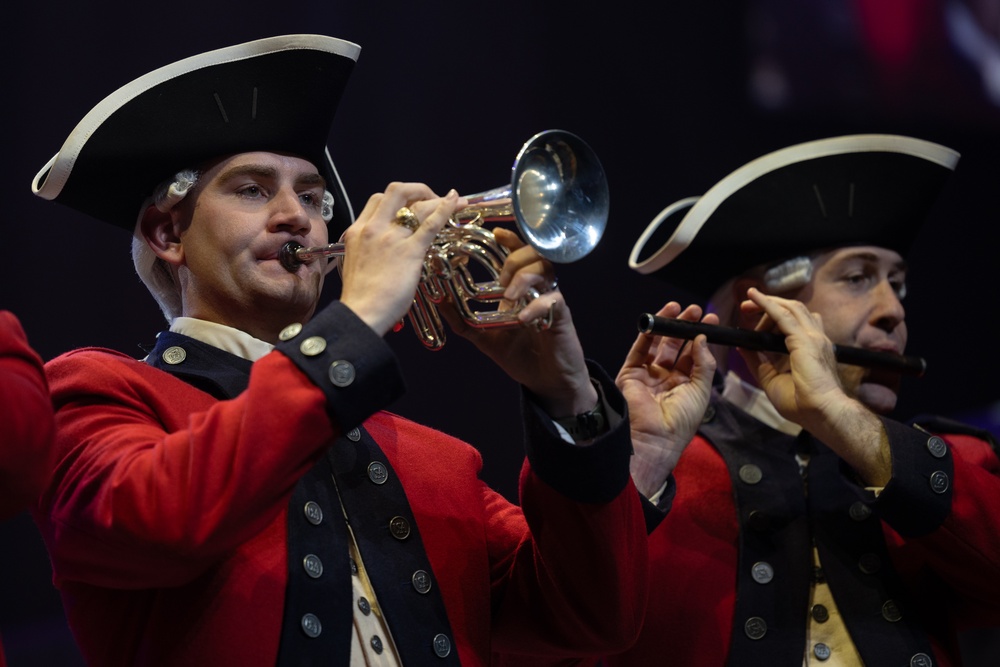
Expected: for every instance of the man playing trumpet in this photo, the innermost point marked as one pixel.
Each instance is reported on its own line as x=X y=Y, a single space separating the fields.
x=239 y=497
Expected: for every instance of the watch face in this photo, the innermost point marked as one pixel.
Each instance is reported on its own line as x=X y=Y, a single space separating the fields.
x=585 y=426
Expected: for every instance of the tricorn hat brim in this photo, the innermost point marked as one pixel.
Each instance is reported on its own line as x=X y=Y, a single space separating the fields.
x=869 y=189
x=277 y=94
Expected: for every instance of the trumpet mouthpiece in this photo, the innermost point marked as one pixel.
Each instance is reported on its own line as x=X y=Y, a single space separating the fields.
x=288 y=258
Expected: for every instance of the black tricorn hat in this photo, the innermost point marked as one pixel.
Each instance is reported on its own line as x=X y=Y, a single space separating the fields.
x=867 y=189
x=277 y=94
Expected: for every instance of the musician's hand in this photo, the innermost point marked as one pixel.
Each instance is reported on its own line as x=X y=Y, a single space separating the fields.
x=667 y=383
x=806 y=388
x=382 y=259
x=804 y=384
x=550 y=363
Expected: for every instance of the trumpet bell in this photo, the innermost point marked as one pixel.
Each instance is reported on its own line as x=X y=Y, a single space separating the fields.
x=559 y=196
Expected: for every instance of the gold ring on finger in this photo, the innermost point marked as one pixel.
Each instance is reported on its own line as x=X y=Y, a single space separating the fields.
x=407 y=218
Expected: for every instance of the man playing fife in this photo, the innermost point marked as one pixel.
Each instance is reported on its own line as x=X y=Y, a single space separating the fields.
x=804 y=526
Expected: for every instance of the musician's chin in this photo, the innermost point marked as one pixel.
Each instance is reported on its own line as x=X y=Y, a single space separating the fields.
x=879 y=392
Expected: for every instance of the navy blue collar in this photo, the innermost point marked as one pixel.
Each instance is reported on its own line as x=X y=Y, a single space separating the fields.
x=208 y=368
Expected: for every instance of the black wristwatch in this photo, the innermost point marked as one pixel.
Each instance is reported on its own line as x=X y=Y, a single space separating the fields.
x=586 y=425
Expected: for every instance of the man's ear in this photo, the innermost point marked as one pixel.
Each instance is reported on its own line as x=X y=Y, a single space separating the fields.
x=162 y=234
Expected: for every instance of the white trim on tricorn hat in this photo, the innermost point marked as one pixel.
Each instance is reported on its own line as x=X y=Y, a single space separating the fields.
x=872 y=189
x=276 y=94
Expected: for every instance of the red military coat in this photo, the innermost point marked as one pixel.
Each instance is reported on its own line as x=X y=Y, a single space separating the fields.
x=26 y=422
x=26 y=419
x=169 y=519
x=906 y=569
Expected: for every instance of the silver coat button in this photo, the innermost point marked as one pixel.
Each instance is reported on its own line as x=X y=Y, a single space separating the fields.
x=364 y=606
x=313 y=566
x=290 y=332
x=860 y=511
x=311 y=626
x=869 y=563
x=354 y=435
x=755 y=627
x=376 y=643
x=939 y=482
x=174 y=355
x=442 y=646
x=762 y=572
x=750 y=473
x=938 y=448
x=921 y=660
x=399 y=527
x=820 y=613
x=890 y=612
x=377 y=472
x=341 y=373
x=313 y=512
x=312 y=346
x=821 y=651
x=421 y=582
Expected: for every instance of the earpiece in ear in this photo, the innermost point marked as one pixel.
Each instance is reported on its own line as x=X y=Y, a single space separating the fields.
x=327 y=210
x=789 y=275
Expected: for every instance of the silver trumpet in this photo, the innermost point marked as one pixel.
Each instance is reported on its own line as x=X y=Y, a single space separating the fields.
x=558 y=197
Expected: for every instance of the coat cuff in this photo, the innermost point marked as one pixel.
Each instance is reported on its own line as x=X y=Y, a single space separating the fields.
x=655 y=510
x=918 y=497
x=595 y=473
x=343 y=356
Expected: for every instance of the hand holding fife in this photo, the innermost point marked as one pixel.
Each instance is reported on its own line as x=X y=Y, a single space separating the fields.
x=667 y=384
x=383 y=257
x=805 y=387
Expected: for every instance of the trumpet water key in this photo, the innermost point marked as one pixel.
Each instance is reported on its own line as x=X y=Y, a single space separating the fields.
x=558 y=198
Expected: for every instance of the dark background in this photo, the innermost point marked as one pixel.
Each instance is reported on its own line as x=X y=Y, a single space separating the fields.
x=671 y=97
